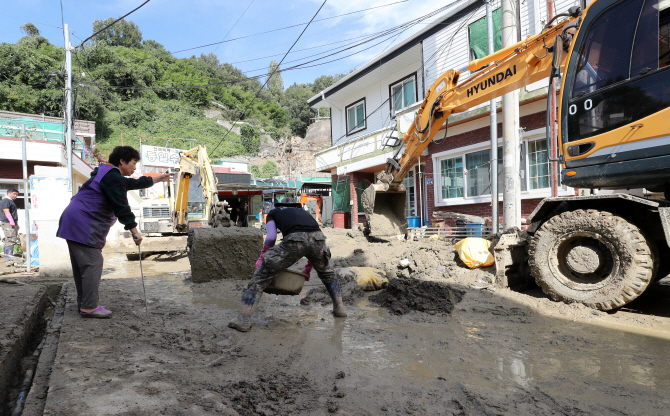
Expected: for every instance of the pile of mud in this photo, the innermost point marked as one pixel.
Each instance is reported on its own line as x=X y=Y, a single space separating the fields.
x=223 y=252
x=271 y=394
x=405 y=295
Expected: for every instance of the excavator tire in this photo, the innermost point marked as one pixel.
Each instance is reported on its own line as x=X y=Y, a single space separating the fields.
x=592 y=257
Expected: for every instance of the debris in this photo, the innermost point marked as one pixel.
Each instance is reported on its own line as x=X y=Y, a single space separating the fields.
x=405 y=295
x=474 y=252
x=223 y=252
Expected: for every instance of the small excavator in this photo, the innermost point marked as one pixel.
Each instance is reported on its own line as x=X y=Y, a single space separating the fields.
x=193 y=203
x=613 y=64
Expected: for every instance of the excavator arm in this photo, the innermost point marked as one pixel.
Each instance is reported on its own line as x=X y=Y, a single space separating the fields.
x=509 y=69
x=194 y=165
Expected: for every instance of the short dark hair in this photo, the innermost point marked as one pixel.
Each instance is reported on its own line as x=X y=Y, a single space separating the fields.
x=10 y=190
x=125 y=153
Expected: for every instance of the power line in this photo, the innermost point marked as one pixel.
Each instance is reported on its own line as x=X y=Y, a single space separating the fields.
x=114 y=22
x=233 y=27
x=16 y=17
x=288 y=27
x=388 y=32
x=167 y=53
x=268 y=78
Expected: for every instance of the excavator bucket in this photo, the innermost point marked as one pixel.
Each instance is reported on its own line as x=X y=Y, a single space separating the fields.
x=384 y=210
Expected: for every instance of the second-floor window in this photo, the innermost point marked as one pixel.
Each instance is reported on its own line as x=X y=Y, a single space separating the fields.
x=478 y=36
x=355 y=116
x=403 y=93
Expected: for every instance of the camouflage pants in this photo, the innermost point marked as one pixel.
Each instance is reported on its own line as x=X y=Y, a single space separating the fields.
x=292 y=248
x=11 y=235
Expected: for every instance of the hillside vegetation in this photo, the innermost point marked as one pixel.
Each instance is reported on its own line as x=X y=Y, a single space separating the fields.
x=135 y=88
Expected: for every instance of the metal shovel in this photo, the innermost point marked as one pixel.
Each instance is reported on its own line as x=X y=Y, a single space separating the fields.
x=146 y=308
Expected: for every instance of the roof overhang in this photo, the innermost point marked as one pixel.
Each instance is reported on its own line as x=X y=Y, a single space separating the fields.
x=452 y=15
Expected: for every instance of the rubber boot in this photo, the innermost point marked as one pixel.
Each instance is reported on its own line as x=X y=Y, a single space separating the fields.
x=9 y=254
x=248 y=306
x=335 y=293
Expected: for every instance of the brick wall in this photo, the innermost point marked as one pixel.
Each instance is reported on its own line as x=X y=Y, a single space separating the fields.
x=529 y=122
x=13 y=169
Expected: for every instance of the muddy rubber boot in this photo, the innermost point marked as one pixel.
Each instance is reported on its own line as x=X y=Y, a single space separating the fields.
x=8 y=254
x=335 y=293
x=248 y=306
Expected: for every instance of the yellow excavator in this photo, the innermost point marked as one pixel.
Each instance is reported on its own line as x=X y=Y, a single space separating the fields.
x=195 y=202
x=613 y=63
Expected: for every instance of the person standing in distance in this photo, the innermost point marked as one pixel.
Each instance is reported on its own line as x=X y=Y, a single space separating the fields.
x=86 y=221
x=301 y=237
x=10 y=223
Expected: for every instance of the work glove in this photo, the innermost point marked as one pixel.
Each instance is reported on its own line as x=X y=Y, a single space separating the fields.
x=307 y=270
x=10 y=219
x=260 y=258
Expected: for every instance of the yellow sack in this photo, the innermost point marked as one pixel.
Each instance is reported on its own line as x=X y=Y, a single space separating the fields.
x=369 y=278
x=474 y=252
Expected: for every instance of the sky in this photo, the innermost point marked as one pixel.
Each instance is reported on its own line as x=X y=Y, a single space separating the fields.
x=180 y=25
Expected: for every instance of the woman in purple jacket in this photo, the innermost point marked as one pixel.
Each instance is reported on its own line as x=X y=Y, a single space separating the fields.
x=85 y=223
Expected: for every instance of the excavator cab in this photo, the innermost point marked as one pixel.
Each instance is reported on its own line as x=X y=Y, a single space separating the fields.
x=616 y=98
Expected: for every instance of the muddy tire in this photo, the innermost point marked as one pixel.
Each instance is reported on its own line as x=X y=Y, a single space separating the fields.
x=591 y=257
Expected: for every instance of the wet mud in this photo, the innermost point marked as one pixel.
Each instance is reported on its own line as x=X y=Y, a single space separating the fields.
x=494 y=352
x=405 y=295
x=223 y=252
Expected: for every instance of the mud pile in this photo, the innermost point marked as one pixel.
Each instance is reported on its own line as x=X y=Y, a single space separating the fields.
x=223 y=253
x=384 y=212
x=271 y=394
x=405 y=295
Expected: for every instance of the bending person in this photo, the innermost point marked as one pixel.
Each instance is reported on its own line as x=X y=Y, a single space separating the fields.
x=86 y=221
x=302 y=237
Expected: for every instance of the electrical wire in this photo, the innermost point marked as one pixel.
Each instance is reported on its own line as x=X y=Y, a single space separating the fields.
x=114 y=22
x=268 y=78
x=303 y=65
x=38 y=23
x=287 y=27
x=235 y=24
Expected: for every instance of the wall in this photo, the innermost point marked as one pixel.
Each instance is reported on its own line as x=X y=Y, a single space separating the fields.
x=529 y=122
x=375 y=90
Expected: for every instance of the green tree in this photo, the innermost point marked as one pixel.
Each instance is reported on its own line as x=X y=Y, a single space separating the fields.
x=123 y=33
x=30 y=30
x=270 y=169
x=275 y=83
x=256 y=171
x=250 y=138
x=296 y=97
x=325 y=81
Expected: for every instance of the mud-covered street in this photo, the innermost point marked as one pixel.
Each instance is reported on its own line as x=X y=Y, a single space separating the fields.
x=439 y=340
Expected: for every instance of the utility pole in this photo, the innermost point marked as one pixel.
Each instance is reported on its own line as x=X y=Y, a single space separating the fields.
x=26 y=199
x=551 y=96
x=69 y=136
x=510 y=110
x=493 y=167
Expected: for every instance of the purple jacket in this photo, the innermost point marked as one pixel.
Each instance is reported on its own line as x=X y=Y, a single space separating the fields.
x=91 y=212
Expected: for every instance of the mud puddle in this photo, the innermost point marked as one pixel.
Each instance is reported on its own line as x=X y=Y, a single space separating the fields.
x=483 y=358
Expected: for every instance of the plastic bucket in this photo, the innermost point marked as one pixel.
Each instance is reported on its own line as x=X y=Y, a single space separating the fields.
x=413 y=222
x=475 y=229
x=288 y=282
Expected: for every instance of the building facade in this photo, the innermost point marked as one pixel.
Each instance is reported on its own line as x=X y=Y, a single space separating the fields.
x=373 y=106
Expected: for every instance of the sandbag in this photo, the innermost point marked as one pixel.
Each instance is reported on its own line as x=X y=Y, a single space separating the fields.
x=474 y=252
x=367 y=278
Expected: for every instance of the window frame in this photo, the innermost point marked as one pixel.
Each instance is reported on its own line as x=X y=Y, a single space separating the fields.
x=471 y=55
x=346 y=117
x=530 y=136
x=414 y=185
x=400 y=81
